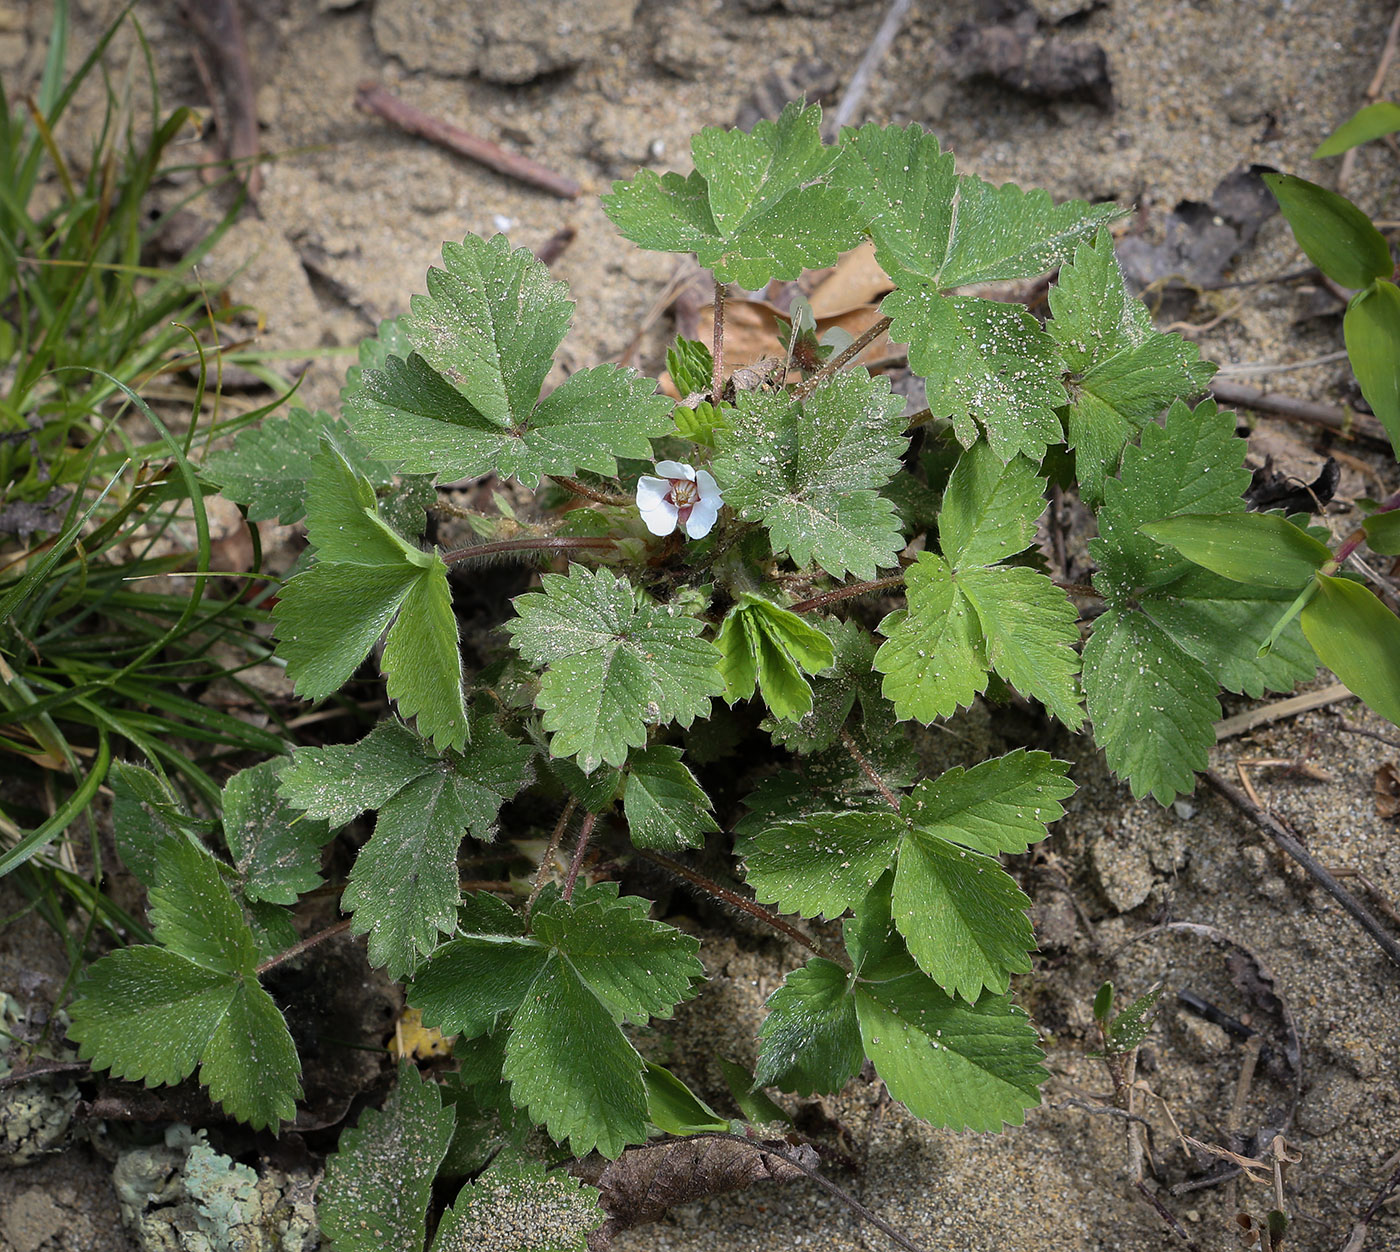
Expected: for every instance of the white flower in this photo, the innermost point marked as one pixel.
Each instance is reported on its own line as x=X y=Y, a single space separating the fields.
x=682 y=496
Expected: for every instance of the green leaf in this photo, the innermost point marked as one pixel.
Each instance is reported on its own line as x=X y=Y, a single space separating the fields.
x=987 y=366
x=990 y=508
x=1371 y=122
x=758 y=205
x=265 y=469
x=153 y=1013
x=1383 y=532
x=1132 y=1025
x=759 y=641
x=467 y=401
x=146 y=819
x=365 y=576
x=1372 y=331
x=1123 y=371
x=403 y=888
x=949 y=231
x=517 y=1205
x=665 y=807
x=835 y=692
x=674 y=1108
x=1358 y=639
x=811 y=471
x=691 y=365
x=378 y=1183
x=615 y=663
x=1336 y=236
x=810 y=1040
x=1174 y=633
x=756 y=1107
x=1244 y=547
x=277 y=852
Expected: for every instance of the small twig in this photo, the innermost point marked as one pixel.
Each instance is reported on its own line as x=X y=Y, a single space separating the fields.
x=1167 y=1216
x=854 y=95
x=1290 y=844
x=1357 y=1239
x=1382 y=900
x=220 y=26
x=592 y=493
x=869 y=770
x=584 y=833
x=540 y=543
x=1241 y=722
x=826 y=1184
x=1349 y=423
x=555 y=840
x=717 y=380
x=553 y=248
x=850 y=591
x=309 y=942
x=376 y=100
x=852 y=350
x=742 y=903
x=1369 y=734
x=1373 y=92
x=1255 y=369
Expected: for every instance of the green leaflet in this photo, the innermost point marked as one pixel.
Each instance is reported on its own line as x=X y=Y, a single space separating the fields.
x=614 y=664
x=1123 y=372
x=851 y=677
x=1336 y=236
x=968 y=616
x=378 y=1182
x=961 y=915
x=1358 y=639
x=810 y=1040
x=1372 y=331
x=153 y=1014
x=664 y=805
x=591 y=964
x=403 y=888
x=277 y=851
x=759 y=642
x=366 y=577
x=466 y=400
x=146 y=820
x=758 y=206
x=1173 y=633
x=486 y=1214
x=811 y=470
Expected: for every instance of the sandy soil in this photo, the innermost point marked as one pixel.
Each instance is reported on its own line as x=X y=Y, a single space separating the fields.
x=1200 y=87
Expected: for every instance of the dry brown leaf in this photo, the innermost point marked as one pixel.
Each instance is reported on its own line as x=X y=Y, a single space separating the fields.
x=856 y=281
x=1387 y=788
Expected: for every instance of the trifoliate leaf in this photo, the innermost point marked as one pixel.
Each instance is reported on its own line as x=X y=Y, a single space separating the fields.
x=1174 y=634
x=403 y=888
x=519 y=1206
x=987 y=366
x=365 y=577
x=948 y=230
x=146 y=819
x=592 y=963
x=810 y=1040
x=765 y=644
x=758 y=205
x=378 y=1183
x=153 y=1013
x=810 y=471
x=276 y=849
x=961 y=915
x=265 y=470
x=616 y=663
x=665 y=807
x=1123 y=371
x=466 y=401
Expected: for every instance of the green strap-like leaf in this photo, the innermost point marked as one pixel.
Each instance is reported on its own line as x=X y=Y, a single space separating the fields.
x=1358 y=639
x=1336 y=236
x=1372 y=331
x=1259 y=548
x=1370 y=122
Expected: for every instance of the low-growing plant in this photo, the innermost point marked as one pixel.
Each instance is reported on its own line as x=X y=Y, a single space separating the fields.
x=764 y=585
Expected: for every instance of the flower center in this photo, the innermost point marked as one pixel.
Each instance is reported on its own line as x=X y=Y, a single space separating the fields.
x=685 y=495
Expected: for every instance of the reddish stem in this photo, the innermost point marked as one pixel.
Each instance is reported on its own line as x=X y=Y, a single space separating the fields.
x=309 y=942
x=846 y=593
x=717 y=380
x=541 y=543
x=869 y=770
x=585 y=831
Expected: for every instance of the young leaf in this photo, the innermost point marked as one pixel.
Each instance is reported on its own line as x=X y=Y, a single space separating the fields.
x=674 y=1108
x=1259 y=548
x=1174 y=633
x=691 y=366
x=835 y=692
x=593 y=962
x=810 y=1040
x=1358 y=639
x=664 y=805
x=1371 y=328
x=758 y=206
x=153 y=1013
x=810 y=471
x=1336 y=236
x=490 y=1212
x=615 y=663
x=277 y=851
x=403 y=888
x=365 y=577
x=1133 y=1024
x=1371 y=122
x=1123 y=371
x=378 y=1183
x=466 y=401
x=761 y=642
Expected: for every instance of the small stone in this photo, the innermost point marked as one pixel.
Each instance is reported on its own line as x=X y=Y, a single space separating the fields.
x=31 y=1220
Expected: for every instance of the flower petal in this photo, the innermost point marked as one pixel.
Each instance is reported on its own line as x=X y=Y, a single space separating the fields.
x=709 y=489
x=675 y=469
x=702 y=517
x=660 y=518
x=652 y=491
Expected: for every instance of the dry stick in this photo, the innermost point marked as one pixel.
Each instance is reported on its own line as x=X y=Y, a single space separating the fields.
x=1290 y=844
x=541 y=543
x=376 y=100
x=717 y=381
x=1352 y=424
x=1357 y=1239
x=742 y=903
x=858 y=345
x=826 y=1184
x=869 y=770
x=553 y=248
x=584 y=832
x=1373 y=91
x=298 y=948
x=854 y=95
x=848 y=592
x=219 y=26
x=1166 y=1215
x=1241 y=722
x=554 y=841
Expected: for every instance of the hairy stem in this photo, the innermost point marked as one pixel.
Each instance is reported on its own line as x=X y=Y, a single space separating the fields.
x=554 y=841
x=844 y=358
x=869 y=770
x=743 y=903
x=592 y=493
x=580 y=848
x=717 y=381
x=305 y=945
x=848 y=592
x=537 y=543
